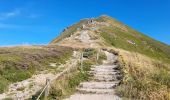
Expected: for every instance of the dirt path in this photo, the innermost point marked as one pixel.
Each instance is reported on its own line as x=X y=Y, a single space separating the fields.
x=106 y=78
x=25 y=89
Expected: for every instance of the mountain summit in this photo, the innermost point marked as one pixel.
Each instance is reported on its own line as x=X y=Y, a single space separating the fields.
x=106 y=31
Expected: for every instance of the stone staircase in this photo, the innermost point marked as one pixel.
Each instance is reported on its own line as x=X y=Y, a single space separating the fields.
x=102 y=86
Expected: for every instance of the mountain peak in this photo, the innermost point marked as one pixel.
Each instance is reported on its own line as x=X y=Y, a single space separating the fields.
x=106 y=31
x=89 y=25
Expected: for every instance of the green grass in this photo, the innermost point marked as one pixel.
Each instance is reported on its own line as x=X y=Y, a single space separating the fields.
x=3 y=84
x=15 y=75
x=119 y=38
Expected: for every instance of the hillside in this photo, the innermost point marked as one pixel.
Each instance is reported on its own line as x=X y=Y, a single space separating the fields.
x=22 y=62
x=145 y=62
x=118 y=35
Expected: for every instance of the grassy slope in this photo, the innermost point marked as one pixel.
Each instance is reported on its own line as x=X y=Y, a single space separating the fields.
x=143 y=44
x=20 y=63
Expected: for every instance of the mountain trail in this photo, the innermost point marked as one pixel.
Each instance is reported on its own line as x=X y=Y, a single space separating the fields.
x=102 y=86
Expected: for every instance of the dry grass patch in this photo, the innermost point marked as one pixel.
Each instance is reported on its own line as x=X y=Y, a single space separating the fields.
x=144 y=78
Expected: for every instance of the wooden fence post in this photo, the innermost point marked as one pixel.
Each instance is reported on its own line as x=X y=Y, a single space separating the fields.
x=97 y=55
x=47 y=88
x=81 y=62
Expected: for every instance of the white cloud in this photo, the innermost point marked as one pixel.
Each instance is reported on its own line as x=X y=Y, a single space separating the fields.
x=6 y=15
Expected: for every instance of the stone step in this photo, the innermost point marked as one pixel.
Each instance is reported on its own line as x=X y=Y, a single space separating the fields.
x=98 y=85
x=104 y=78
x=104 y=75
x=79 y=96
x=103 y=72
x=102 y=69
x=95 y=91
x=99 y=70
x=105 y=66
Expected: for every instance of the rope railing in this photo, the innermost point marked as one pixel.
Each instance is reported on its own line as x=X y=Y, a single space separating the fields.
x=42 y=91
x=46 y=90
x=49 y=81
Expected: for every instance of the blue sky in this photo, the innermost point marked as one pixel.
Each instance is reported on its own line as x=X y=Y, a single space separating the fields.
x=39 y=21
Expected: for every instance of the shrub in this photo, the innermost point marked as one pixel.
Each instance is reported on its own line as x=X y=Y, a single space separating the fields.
x=15 y=75
x=54 y=92
x=87 y=65
x=89 y=53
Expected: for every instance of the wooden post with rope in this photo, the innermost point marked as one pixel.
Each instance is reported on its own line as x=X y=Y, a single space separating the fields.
x=97 y=56
x=47 y=88
x=81 y=62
